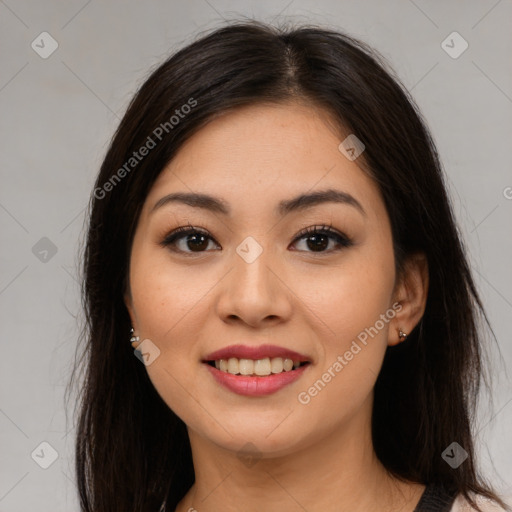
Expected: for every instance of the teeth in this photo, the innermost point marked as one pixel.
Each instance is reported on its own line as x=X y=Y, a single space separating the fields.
x=262 y=366
x=276 y=364
x=287 y=365
x=246 y=366
x=259 y=367
x=233 y=365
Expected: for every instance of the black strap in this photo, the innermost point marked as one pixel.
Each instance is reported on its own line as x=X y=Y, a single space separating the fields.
x=436 y=499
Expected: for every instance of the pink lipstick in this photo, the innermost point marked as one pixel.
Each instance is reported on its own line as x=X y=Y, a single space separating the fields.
x=256 y=371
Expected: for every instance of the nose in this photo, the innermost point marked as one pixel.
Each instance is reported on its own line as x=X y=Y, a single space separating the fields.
x=255 y=293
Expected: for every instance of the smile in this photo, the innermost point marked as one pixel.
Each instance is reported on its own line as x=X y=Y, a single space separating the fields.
x=255 y=371
x=258 y=367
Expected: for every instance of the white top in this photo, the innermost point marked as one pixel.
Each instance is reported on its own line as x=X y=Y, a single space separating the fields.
x=461 y=505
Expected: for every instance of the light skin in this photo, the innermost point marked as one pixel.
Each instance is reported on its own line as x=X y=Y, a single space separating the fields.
x=312 y=298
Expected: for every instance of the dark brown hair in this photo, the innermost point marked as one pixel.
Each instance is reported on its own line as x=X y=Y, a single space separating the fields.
x=132 y=451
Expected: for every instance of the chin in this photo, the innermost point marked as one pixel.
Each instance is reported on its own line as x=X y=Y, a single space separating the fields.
x=267 y=436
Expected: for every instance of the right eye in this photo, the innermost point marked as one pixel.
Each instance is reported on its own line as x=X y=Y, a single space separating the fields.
x=187 y=239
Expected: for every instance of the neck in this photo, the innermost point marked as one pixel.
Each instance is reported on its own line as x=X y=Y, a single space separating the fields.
x=340 y=473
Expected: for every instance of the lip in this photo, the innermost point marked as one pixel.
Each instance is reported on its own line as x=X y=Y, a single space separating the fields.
x=256 y=386
x=260 y=352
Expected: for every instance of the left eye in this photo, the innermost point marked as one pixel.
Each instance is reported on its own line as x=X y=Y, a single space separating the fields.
x=316 y=238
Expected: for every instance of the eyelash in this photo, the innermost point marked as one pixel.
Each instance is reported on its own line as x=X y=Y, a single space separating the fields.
x=340 y=238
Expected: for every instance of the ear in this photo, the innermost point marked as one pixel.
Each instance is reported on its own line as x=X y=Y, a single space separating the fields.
x=411 y=292
x=129 y=306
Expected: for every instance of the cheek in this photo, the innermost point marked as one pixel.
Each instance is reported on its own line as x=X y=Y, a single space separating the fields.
x=348 y=308
x=171 y=311
x=163 y=297
x=349 y=305
x=353 y=295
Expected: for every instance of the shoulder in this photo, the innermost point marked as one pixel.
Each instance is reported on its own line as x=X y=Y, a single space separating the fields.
x=462 y=505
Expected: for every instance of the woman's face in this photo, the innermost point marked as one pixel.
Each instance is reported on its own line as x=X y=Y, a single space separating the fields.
x=245 y=278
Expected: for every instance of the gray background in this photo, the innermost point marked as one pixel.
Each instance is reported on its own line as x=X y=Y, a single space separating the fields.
x=57 y=117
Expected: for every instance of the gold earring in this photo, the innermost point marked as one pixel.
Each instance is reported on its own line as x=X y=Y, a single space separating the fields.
x=402 y=335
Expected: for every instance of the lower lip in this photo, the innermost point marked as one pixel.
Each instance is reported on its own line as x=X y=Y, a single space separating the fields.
x=256 y=386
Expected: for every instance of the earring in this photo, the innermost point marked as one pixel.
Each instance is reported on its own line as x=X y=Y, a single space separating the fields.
x=402 y=336
x=133 y=338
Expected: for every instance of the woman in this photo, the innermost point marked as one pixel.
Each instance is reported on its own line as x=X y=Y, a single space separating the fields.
x=271 y=232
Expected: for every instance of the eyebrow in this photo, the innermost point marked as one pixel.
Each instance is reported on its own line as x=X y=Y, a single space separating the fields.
x=298 y=203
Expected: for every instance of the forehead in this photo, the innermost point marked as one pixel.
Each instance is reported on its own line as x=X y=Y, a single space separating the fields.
x=259 y=154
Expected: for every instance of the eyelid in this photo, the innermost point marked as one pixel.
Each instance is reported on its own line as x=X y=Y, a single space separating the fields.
x=315 y=229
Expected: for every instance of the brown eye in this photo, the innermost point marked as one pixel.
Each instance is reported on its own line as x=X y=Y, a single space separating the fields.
x=187 y=240
x=318 y=238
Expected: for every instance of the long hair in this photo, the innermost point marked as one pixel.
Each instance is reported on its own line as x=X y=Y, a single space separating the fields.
x=132 y=451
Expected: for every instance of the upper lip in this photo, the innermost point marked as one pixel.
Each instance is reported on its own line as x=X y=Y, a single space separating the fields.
x=259 y=352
